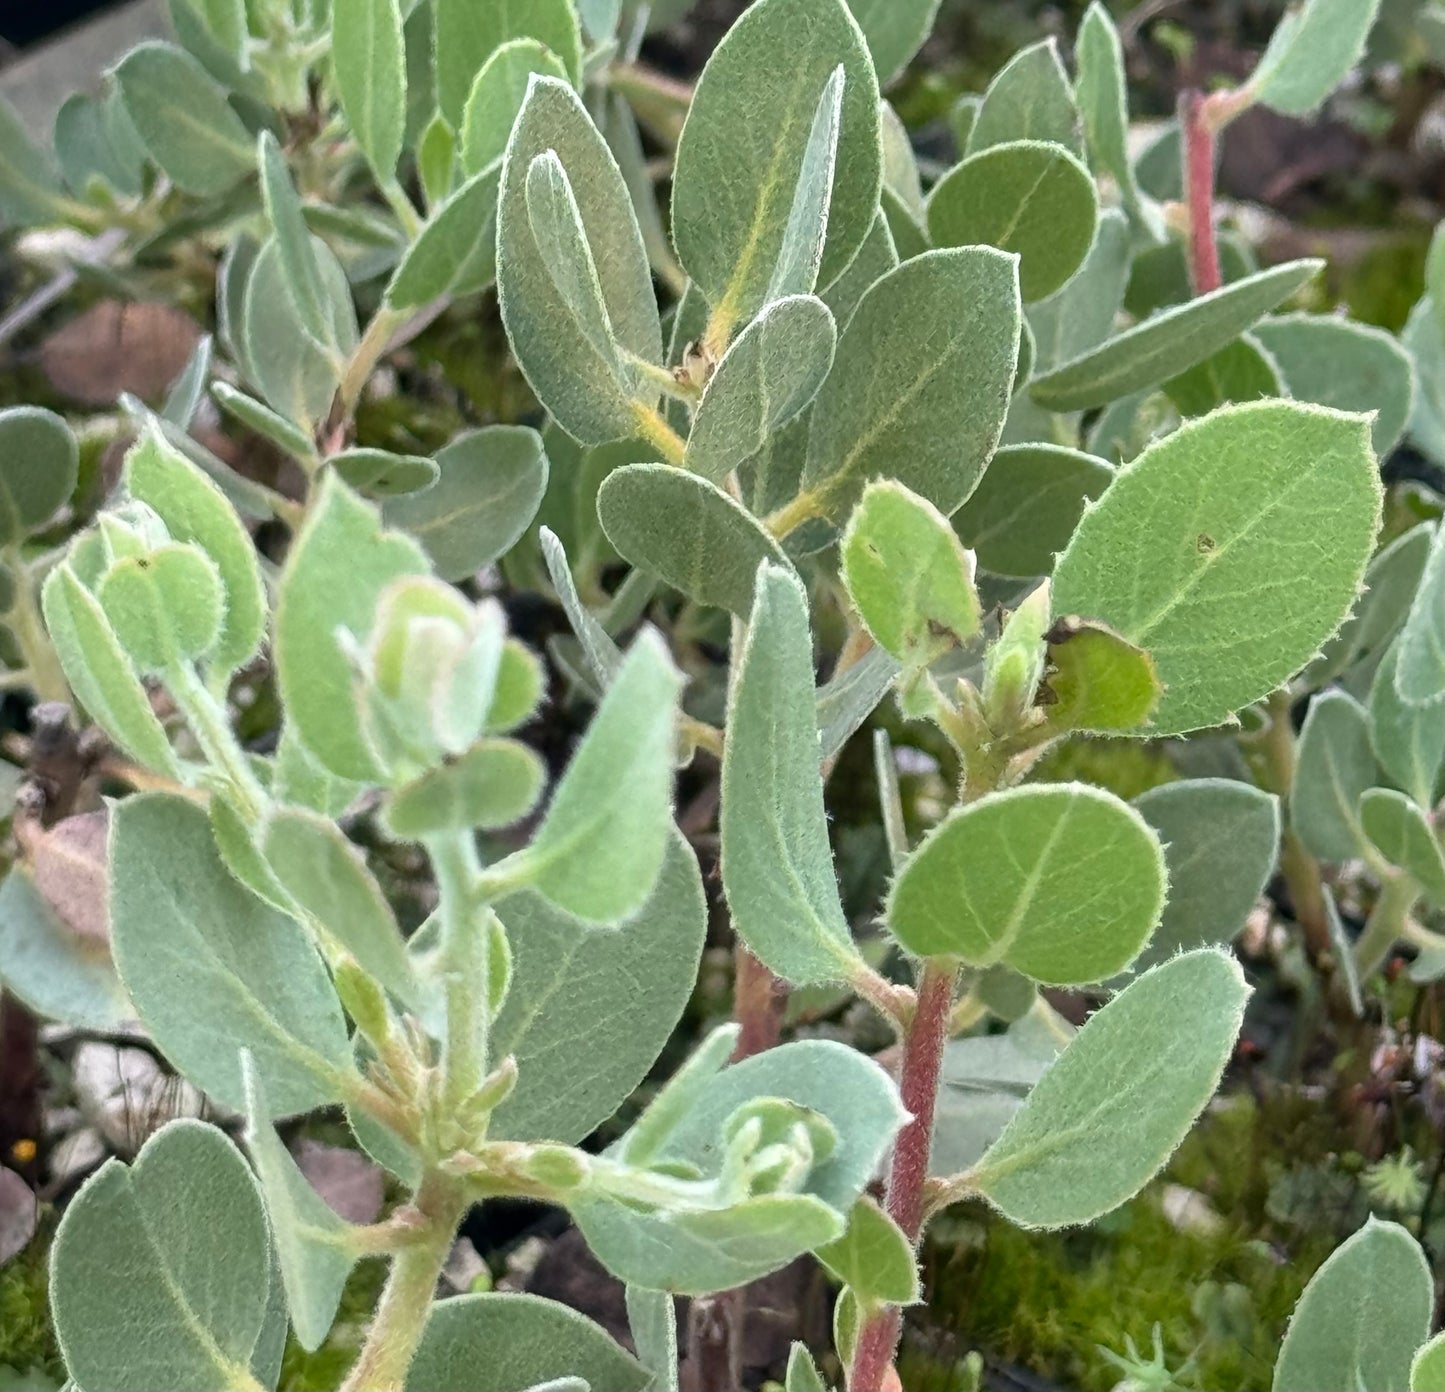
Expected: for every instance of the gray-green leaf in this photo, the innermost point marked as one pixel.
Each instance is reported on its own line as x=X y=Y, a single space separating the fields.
x=1029 y=99
x=369 y=63
x=497 y=96
x=1311 y=52
x=468 y=34
x=1334 y=765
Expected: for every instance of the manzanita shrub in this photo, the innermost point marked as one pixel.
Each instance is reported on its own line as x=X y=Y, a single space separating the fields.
x=1021 y=448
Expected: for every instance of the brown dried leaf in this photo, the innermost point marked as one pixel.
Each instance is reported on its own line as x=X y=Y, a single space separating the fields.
x=69 y=865
x=117 y=346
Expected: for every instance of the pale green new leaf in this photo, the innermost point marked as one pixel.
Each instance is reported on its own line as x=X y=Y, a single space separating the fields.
x=1402 y=833
x=436 y=161
x=907 y=575
x=1026 y=506
x=1105 y=1117
x=573 y=277
x=921 y=382
x=1219 y=837
x=895 y=31
x=380 y=474
x=1362 y=1316
x=1311 y=52
x=806 y=230
x=686 y=531
x=777 y=866
x=212 y=970
x=139 y=1298
x=1351 y=366
x=523 y=1342
x=493 y=784
x=1170 y=342
x=1427 y=1368
x=874 y=1258
x=368 y=62
x=184 y=120
x=456 y=253
x=195 y=510
x=1062 y=882
x=490 y=487
x=328 y=880
x=1334 y=765
x=743 y=150
x=497 y=96
x=590 y=1010
x=310 y=1238
x=468 y=34
x=39 y=466
x=1030 y=197
x=1097 y=681
x=164 y=607
x=1194 y=550
x=802 y=1374
x=337 y=568
x=99 y=672
x=1030 y=99
x=601 y=844
x=772 y=371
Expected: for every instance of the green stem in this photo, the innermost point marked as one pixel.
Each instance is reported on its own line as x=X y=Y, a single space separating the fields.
x=401 y=205
x=364 y=359
x=656 y=431
x=464 y=963
x=47 y=679
x=206 y=717
x=392 y=1341
x=1387 y=924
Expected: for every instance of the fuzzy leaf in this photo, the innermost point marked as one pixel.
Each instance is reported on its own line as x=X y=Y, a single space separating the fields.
x=1311 y=52
x=744 y=147
x=300 y=266
x=369 y=64
x=589 y=1011
x=468 y=34
x=1427 y=1368
x=1026 y=506
x=29 y=184
x=211 y=969
x=874 y=1258
x=1334 y=765
x=1240 y=371
x=337 y=568
x=1340 y=363
x=1061 y=882
x=921 y=382
x=1402 y=833
x=139 y=1299
x=1029 y=99
x=1103 y=100
x=895 y=31
x=165 y=607
x=1193 y=551
x=310 y=1238
x=490 y=487
x=1170 y=342
x=456 y=253
x=1105 y=1117
x=686 y=531
x=1219 y=837
x=39 y=466
x=1097 y=681
x=1361 y=1317
x=1409 y=741
x=575 y=286
x=182 y=116
x=495 y=783
x=777 y=867
x=523 y=1341
x=1420 y=671
x=907 y=575
x=601 y=844
x=497 y=96
x=772 y=371
x=1030 y=197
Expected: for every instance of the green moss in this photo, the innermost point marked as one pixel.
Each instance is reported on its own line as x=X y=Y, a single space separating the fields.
x=27 y=1341
x=327 y=1367
x=1217 y=1290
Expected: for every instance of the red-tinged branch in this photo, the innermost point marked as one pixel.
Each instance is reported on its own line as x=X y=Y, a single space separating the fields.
x=1199 y=134
x=908 y=1174
x=759 y=999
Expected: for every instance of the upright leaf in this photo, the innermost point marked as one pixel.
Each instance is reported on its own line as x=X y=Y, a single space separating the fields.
x=1420 y=671
x=1193 y=552
x=300 y=267
x=630 y=985
x=921 y=382
x=39 y=466
x=601 y=844
x=1062 y=882
x=497 y=96
x=777 y=867
x=1404 y=836
x=575 y=286
x=1361 y=1317
x=1031 y=197
x=1030 y=99
x=874 y=1258
x=336 y=570
x=182 y=116
x=140 y=1300
x=1334 y=765
x=686 y=531
x=1101 y=1122
x=806 y=230
x=744 y=147
x=212 y=969
x=1311 y=52
x=895 y=31
x=368 y=60
x=468 y=34
x=1409 y=741
x=1103 y=100
x=1169 y=343
x=772 y=371
x=456 y=253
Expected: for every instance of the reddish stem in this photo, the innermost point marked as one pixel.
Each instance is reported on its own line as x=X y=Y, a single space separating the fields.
x=1199 y=151
x=759 y=998
x=918 y=1086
